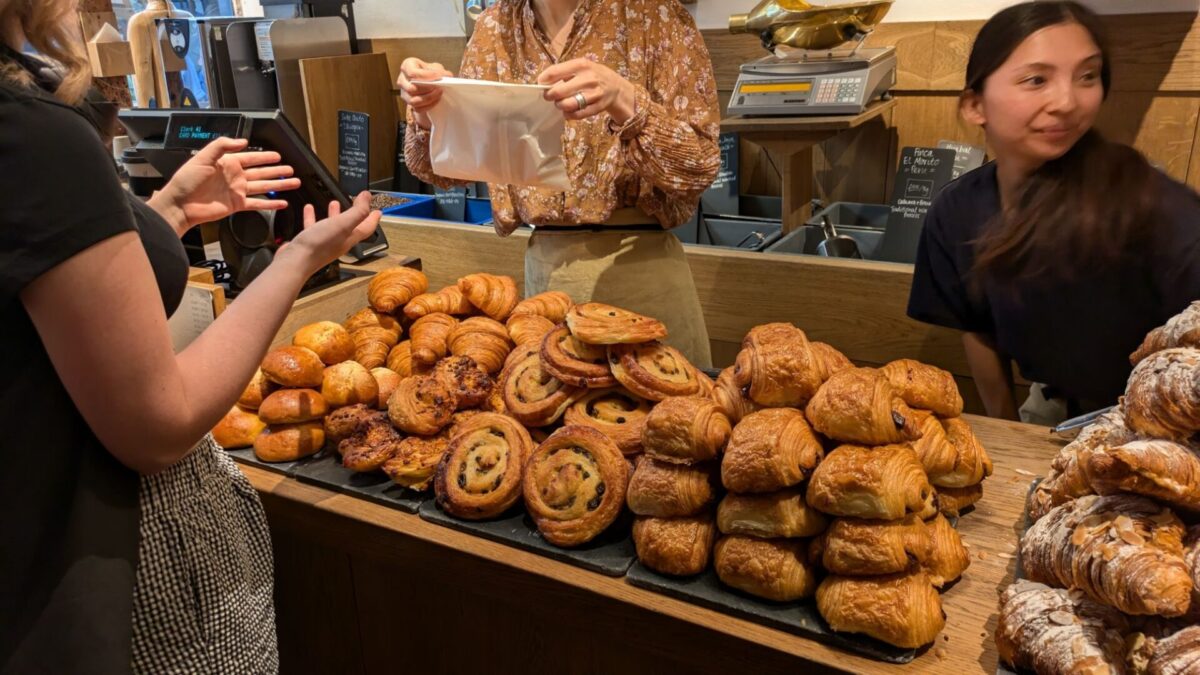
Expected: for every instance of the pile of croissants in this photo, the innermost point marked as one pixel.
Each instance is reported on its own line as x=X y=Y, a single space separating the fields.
x=1112 y=560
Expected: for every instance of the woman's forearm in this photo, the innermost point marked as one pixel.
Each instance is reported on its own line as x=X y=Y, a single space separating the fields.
x=993 y=376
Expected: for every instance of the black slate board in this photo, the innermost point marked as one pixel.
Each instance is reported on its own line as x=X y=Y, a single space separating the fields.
x=798 y=618
x=247 y=456
x=610 y=554
x=326 y=470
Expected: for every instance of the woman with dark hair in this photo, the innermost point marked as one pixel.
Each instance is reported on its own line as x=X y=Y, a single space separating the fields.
x=1063 y=252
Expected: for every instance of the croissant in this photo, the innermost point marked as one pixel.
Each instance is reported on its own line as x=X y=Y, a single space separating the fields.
x=667 y=490
x=708 y=386
x=483 y=340
x=328 y=339
x=400 y=360
x=855 y=547
x=1122 y=550
x=528 y=328
x=531 y=395
x=369 y=318
x=925 y=387
x=951 y=502
x=348 y=383
x=470 y=384
x=391 y=289
x=1176 y=654
x=479 y=477
x=416 y=461
x=493 y=294
x=778 y=365
x=1066 y=479
x=948 y=557
x=598 y=324
x=615 y=413
x=422 y=405
x=828 y=359
x=372 y=345
x=1162 y=399
x=576 y=363
x=774 y=514
x=551 y=305
x=858 y=405
x=1181 y=330
x=449 y=300
x=574 y=485
x=375 y=442
x=913 y=615
x=770 y=450
x=653 y=370
x=732 y=399
x=775 y=569
x=675 y=546
x=1052 y=631
x=684 y=431
x=1165 y=470
x=430 y=336
x=885 y=483
x=970 y=464
x=1191 y=558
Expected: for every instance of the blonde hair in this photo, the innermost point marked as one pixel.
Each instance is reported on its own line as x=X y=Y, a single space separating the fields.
x=48 y=25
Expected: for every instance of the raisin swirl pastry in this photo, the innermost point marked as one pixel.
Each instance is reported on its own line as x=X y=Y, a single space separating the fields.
x=653 y=370
x=531 y=394
x=577 y=363
x=574 y=485
x=479 y=477
x=615 y=413
x=422 y=405
x=599 y=324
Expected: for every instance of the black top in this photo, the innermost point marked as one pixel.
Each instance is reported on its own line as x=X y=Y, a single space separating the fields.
x=68 y=509
x=1074 y=336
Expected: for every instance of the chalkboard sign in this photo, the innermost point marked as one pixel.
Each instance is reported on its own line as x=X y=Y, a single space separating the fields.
x=402 y=178
x=354 y=145
x=451 y=204
x=966 y=157
x=922 y=174
x=722 y=196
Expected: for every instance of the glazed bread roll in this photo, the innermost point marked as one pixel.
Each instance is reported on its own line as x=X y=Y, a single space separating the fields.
x=863 y=548
x=770 y=450
x=1058 y=632
x=422 y=405
x=775 y=569
x=615 y=413
x=675 y=546
x=948 y=557
x=778 y=366
x=685 y=431
x=391 y=289
x=574 y=485
x=293 y=367
x=494 y=295
x=258 y=389
x=653 y=370
x=924 y=387
x=551 y=305
x=531 y=395
x=782 y=514
x=885 y=483
x=575 y=363
x=482 y=340
x=599 y=324
x=289 y=442
x=467 y=379
x=479 y=477
x=913 y=615
x=238 y=429
x=386 y=382
x=859 y=405
x=328 y=340
x=449 y=300
x=291 y=406
x=349 y=383
x=666 y=490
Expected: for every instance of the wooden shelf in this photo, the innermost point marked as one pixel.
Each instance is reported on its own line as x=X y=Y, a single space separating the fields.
x=801 y=123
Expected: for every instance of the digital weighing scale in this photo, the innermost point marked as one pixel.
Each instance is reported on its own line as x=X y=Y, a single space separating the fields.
x=814 y=83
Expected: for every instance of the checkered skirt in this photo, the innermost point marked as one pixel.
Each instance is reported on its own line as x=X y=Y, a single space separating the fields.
x=203 y=600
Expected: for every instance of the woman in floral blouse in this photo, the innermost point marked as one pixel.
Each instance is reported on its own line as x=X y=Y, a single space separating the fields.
x=635 y=84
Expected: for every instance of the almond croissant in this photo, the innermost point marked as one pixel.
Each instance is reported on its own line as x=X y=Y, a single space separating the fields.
x=1066 y=479
x=493 y=294
x=859 y=405
x=551 y=305
x=1122 y=550
x=391 y=289
x=1162 y=399
x=1052 y=631
x=1165 y=470
x=449 y=300
x=1181 y=330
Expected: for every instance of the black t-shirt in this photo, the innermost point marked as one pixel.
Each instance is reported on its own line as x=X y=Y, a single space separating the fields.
x=1074 y=336
x=68 y=509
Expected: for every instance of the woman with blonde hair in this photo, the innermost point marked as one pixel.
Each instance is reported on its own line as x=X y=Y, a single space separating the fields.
x=131 y=542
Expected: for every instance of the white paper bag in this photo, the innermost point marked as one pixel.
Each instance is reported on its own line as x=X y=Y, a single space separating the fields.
x=497 y=133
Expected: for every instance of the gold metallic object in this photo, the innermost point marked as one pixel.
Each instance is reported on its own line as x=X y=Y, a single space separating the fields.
x=798 y=24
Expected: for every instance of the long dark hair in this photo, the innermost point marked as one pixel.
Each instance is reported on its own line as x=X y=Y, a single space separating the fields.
x=1080 y=211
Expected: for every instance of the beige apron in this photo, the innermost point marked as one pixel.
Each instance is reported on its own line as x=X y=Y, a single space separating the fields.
x=642 y=271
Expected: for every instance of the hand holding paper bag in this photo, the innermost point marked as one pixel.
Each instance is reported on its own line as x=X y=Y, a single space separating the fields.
x=506 y=134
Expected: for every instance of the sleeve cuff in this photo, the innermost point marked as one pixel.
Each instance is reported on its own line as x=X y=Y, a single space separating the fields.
x=635 y=124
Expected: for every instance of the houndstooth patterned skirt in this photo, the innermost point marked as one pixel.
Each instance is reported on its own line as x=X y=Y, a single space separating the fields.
x=203 y=599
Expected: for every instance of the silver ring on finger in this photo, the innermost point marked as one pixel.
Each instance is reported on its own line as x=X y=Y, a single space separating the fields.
x=581 y=100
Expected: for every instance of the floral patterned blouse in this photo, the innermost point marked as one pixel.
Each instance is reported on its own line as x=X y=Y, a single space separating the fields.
x=660 y=160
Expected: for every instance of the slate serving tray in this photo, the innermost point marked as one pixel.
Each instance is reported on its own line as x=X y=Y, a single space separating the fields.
x=798 y=618
x=610 y=554
x=325 y=469
x=246 y=456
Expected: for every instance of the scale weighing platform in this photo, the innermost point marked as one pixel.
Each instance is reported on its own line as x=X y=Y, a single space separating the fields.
x=814 y=83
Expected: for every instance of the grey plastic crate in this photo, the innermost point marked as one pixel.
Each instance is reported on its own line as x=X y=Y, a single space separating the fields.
x=804 y=241
x=750 y=234
x=854 y=214
x=689 y=232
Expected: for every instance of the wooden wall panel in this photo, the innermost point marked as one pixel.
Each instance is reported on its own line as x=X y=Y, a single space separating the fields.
x=952 y=47
x=1162 y=127
x=854 y=166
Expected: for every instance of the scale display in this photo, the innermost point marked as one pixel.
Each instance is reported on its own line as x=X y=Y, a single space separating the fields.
x=193 y=131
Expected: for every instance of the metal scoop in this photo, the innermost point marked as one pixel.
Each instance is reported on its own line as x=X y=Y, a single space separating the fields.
x=836 y=245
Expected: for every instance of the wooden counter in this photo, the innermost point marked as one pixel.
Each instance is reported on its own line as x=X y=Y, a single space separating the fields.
x=363 y=588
